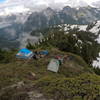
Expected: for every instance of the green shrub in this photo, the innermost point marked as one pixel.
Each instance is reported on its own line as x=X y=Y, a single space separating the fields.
x=83 y=87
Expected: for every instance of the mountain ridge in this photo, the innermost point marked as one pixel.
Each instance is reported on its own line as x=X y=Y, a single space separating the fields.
x=21 y=25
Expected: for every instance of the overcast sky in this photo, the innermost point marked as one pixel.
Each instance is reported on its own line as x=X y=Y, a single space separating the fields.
x=47 y=2
x=41 y=4
x=88 y=1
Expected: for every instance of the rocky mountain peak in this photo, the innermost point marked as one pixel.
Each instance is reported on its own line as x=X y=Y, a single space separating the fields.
x=67 y=8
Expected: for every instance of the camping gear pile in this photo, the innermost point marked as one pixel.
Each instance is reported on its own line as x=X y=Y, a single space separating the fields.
x=40 y=54
x=54 y=64
x=27 y=54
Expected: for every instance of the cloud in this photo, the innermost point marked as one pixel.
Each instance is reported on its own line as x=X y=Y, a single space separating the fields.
x=96 y=3
x=25 y=38
x=10 y=32
x=13 y=9
x=48 y=2
x=18 y=6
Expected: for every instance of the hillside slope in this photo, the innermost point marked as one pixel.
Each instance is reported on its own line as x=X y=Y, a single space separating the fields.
x=30 y=80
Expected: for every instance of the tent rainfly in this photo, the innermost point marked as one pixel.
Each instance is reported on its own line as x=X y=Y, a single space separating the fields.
x=45 y=52
x=53 y=65
x=24 y=54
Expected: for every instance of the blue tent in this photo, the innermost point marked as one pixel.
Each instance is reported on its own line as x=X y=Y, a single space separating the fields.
x=45 y=52
x=24 y=53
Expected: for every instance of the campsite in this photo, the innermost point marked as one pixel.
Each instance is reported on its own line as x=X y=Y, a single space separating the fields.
x=48 y=71
x=49 y=49
x=54 y=61
x=26 y=77
x=53 y=65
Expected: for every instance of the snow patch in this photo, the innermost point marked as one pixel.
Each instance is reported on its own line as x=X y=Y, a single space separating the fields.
x=96 y=63
x=80 y=41
x=82 y=27
x=96 y=28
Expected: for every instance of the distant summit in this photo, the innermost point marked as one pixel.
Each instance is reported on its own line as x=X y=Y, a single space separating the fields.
x=18 y=26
